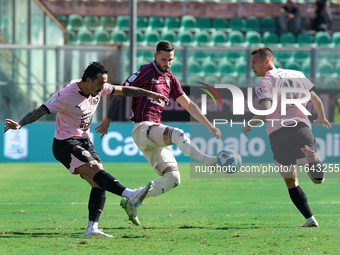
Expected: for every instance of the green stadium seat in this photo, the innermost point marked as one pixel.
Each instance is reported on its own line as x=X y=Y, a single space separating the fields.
x=269 y=24
x=101 y=37
x=253 y=24
x=325 y=69
x=220 y=24
x=270 y=39
x=237 y=23
x=305 y=39
x=151 y=37
x=170 y=36
x=118 y=36
x=202 y=38
x=211 y=80
x=203 y=23
x=235 y=55
x=123 y=22
x=278 y=64
x=278 y=1
x=177 y=69
x=62 y=19
x=71 y=37
x=146 y=54
x=225 y=68
x=91 y=22
x=193 y=68
x=287 y=39
x=227 y=80
x=208 y=68
x=107 y=22
x=156 y=23
x=283 y=56
x=140 y=38
x=331 y=83
x=185 y=38
x=322 y=38
x=336 y=38
x=74 y=22
x=198 y=55
x=305 y=68
x=236 y=37
x=141 y=62
x=293 y=65
x=261 y=1
x=240 y=69
x=84 y=36
x=172 y=23
x=219 y=38
x=301 y=55
x=253 y=38
x=337 y=69
x=142 y=23
x=188 y=23
x=193 y=81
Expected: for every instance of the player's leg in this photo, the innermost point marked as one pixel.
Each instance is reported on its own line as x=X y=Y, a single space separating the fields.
x=165 y=135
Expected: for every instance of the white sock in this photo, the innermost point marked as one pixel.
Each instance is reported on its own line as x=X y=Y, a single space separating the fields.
x=165 y=183
x=311 y=219
x=128 y=193
x=93 y=225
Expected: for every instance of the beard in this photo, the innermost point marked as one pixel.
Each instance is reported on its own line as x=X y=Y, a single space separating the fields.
x=162 y=68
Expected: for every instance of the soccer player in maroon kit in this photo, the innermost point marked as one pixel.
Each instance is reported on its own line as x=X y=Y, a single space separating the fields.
x=152 y=137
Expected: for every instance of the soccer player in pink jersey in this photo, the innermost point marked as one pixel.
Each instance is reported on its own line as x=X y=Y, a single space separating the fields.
x=292 y=143
x=151 y=136
x=75 y=105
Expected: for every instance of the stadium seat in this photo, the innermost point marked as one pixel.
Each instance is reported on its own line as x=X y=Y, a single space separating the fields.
x=156 y=23
x=140 y=38
x=278 y=64
x=253 y=24
x=220 y=24
x=107 y=22
x=142 y=23
x=261 y=1
x=185 y=38
x=170 y=36
x=123 y=23
x=325 y=69
x=172 y=23
x=91 y=22
x=101 y=37
x=188 y=23
x=62 y=19
x=74 y=22
x=71 y=37
x=336 y=38
x=269 y=24
x=198 y=55
x=208 y=68
x=235 y=55
x=202 y=38
x=237 y=23
x=236 y=37
x=151 y=37
x=227 y=80
x=331 y=83
x=193 y=81
x=211 y=80
x=253 y=38
x=219 y=38
x=292 y=65
x=283 y=56
x=225 y=68
x=277 y=1
x=301 y=56
x=203 y=23
x=148 y=55
x=193 y=68
x=305 y=39
x=84 y=36
x=118 y=36
x=141 y=62
x=287 y=39
x=270 y=39
x=306 y=67
x=177 y=69
x=322 y=38
x=337 y=69
x=240 y=69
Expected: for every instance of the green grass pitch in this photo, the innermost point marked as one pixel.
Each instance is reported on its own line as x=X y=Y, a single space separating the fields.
x=43 y=210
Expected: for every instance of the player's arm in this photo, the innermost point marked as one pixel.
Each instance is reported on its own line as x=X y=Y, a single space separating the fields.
x=318 y=105
x=195 y=112
x=32 y=116
x=138 y=92
x=264 y=105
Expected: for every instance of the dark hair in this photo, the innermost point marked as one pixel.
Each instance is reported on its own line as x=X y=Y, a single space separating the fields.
x=264 y=53
x=93 y=70
x=164 y=46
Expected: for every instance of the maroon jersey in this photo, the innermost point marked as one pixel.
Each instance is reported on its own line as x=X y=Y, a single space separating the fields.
x=149 y=77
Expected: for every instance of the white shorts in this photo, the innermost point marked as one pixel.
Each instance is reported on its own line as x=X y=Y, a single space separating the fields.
x=159 y=157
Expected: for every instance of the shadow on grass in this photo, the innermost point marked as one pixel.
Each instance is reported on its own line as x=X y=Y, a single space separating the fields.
x=17 y=234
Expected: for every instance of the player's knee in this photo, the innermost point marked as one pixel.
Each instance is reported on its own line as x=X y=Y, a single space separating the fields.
x=173 y=176
x=178 y=135
x=291 y=182
x=316 y=171
x=318 y=181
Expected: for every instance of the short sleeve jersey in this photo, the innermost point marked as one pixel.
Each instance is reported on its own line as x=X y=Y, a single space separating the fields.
x=149 y=77
x=281 y=78
x=74 y=110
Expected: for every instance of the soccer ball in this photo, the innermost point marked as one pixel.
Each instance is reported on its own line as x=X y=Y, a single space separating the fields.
x=229 y=161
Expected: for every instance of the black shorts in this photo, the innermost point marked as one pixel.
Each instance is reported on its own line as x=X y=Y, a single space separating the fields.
x=82 y=149
x=286 y=143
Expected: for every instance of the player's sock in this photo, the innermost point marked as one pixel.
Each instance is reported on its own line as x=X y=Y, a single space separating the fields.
x=108 y=182
x=300 y=201
x=311 y=219
x=96 y=203
x=92 y=225
x=178 y=137
x=128 y=193
x=171 y=179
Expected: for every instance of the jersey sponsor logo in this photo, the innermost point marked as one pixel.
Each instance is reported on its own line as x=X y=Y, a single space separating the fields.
x=162 y=103
x=51 y=100
x=154 y=80
x=132 y=78
x=86 y=153
x=259 y=91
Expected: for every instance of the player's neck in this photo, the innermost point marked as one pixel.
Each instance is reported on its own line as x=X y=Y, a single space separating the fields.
x=83 y=88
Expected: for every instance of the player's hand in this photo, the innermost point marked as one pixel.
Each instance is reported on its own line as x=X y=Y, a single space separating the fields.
x=323 y=122
x=246 y=129
x=215 y=132
x=11 y=124
x=103 y=127
x=159 y=97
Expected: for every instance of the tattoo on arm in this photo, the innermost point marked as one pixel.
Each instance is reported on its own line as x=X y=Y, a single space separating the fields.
x=135 y=92
x=33 y=115
x=115 y=102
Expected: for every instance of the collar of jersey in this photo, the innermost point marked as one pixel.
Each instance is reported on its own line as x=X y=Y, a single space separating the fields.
x=155 y=66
